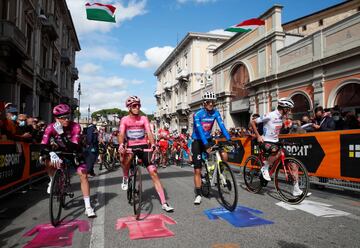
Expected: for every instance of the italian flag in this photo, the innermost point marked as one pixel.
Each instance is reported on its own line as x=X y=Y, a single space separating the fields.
x=100 y=12
x=246 y=26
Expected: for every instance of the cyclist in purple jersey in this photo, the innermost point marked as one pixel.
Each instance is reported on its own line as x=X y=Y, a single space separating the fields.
x=64 y=135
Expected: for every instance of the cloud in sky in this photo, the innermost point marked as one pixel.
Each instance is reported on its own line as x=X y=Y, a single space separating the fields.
x=123 y=13
x=90 y=68
x=195 y=1
x=98 y=52
x=221 y=31
x=154 y=57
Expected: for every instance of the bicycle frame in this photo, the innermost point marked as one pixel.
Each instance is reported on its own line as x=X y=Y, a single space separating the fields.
x=217 y=168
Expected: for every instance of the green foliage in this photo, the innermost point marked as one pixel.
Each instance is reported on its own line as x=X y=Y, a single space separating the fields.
x=119 y=112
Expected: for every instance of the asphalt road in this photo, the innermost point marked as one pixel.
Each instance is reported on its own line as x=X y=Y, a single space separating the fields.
x=329 y=218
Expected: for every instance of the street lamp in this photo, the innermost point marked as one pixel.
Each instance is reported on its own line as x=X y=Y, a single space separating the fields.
x=39 y=17
x=79 y=94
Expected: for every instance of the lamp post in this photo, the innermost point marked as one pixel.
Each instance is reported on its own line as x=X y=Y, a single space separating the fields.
x=38 y=17
x=79 y=94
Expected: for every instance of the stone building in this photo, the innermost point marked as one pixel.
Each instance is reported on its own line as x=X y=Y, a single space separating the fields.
x=38 y=43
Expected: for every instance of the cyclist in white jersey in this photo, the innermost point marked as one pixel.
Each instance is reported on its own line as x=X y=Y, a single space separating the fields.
x=273 y=123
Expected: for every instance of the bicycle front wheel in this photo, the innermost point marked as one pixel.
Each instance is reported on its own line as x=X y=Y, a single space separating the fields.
x=252 y=174
x=56 y=197
x=292 y=181
x=227 y=186
x=137 y=191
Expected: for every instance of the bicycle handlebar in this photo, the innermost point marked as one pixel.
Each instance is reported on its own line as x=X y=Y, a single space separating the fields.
x=132 y=150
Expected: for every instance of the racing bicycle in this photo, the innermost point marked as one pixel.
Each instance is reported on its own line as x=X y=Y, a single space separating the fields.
x=287 y=171
x=220 y=175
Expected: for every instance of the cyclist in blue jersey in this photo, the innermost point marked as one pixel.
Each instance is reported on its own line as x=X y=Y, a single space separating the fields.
x=202 y=141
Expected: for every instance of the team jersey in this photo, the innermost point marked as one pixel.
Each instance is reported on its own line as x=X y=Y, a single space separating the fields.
x=151 y=226
x=203 y=123
x=273 y=123
x=134 y=128
x=59 y=236
x=72 y=132
x=114 y=139
x=163 y=134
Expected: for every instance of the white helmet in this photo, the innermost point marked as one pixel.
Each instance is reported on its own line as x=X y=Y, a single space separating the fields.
x=114 y=129
x=166 y=125
x=286 y=103
x=209 y=95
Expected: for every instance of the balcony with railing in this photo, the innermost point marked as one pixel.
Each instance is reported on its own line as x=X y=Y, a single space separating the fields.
x=66 y=56
x=74 y=73
x=167 y=86
x=182 y=75
x=50 y=27
x=49 y=76
x=12 y=41
x=182 y=106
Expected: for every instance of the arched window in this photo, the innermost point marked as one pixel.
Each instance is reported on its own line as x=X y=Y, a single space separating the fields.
x=239 y=77
x=302 y=106
x=348 y=96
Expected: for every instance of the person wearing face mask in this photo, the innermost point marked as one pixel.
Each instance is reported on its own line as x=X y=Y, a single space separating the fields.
x=11 y=113
x=23 y=131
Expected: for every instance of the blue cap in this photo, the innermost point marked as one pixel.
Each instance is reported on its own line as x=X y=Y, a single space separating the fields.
x=11 y=110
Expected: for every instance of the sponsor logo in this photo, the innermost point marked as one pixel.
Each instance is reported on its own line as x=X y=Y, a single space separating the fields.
x=298 y=150
x=354 y=151
x=9 y=159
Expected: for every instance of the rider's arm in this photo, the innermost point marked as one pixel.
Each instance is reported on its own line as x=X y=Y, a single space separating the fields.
x=222 y=126
x=122 y=128
x=199 y=128
x=258 y=120
x=73 y=144
x=45 y=147
x=148 y=131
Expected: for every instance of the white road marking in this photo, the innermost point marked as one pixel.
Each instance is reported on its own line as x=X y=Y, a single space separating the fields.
x=97 y=232
x=315 y=208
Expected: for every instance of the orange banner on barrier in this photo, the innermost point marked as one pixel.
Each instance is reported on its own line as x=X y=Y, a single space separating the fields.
x=18 y=162
x=333 y=154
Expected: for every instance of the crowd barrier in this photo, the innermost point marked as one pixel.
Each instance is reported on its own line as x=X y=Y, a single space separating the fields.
x=18 y=163
x=334 y=154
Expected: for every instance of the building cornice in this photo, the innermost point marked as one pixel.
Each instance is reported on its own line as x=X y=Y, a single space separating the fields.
x=179 y=48
x=243 y=52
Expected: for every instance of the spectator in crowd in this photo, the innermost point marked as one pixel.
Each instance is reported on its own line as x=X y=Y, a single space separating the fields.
x=11 y=113
x=287 y=125
x=7 y=126
x=296 y=128
x=338 y=119
x=350 y=121
x=23 y=131
x=307 y=123
x=323 y=120
x=260 y=126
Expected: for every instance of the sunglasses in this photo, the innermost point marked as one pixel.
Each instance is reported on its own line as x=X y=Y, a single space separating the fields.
x=64 y=117
x=209 y=102
x=135 y=106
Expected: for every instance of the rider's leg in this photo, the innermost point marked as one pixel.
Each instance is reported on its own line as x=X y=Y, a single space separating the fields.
x=224 y=156
x=156 y=180
x=50 y=171
x=84 y=184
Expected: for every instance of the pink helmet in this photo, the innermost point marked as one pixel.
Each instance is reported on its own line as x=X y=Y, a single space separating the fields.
x=61 y=109
x=131 y=100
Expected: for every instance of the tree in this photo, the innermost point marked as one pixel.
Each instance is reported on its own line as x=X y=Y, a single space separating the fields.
x=119 y=112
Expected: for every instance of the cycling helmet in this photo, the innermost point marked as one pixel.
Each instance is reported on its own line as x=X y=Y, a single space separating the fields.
x=286 y=103
x=114 y=129
x=131 y=100
x=166 y=125
x=61 y=109
x=209 y=95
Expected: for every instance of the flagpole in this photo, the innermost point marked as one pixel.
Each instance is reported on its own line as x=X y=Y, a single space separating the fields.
x=88 y=114
x=79 y=94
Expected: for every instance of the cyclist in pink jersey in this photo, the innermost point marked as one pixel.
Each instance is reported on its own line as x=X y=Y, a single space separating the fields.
x=135 y=128
x=64 y=135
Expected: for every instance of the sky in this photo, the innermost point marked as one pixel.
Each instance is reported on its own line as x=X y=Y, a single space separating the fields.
x=119 y=59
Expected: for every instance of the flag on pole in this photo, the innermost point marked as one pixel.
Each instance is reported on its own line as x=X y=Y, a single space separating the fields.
x=246 y=26
x=100 y=12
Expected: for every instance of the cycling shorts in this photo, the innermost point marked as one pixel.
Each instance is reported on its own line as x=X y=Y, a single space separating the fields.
x=144 y=156
x=197 y=149
x=269 y=148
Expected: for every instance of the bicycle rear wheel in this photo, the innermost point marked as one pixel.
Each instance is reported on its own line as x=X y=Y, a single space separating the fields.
x=292 y=181
x=137 y=191
x=57 y=197
x=252 y=174
x=227 y=186
x=109 y=163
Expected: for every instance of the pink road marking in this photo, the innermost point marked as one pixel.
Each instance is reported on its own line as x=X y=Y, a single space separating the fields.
x=148 y=227
x=59 y=236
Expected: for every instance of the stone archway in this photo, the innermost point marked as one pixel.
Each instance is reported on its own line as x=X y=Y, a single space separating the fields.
x=239 y=78
x=347 y=96
x=302 y=105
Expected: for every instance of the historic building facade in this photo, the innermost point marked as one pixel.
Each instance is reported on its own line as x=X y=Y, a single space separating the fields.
x=183 y=77
x=315 y=60
x=38 y=43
